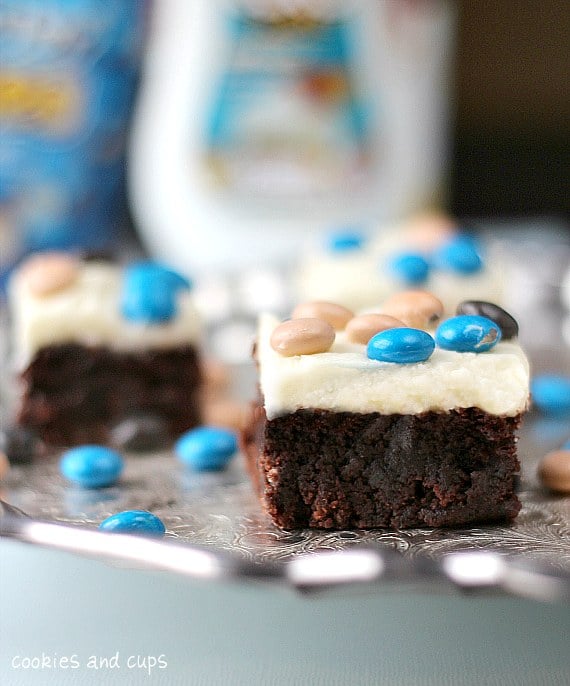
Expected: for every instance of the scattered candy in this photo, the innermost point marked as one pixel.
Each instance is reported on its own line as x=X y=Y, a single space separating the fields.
x=49 y=272
x=91 y=466
x=336 y=315
x=216 y=374
x=206 y=448
x=410 y=268
x=551 y=393
x=468 y=333
x=134 y=522
x=20 y=445
x=554 y=471
x=460 y=254
x=140 y=433
x=4 y=465
x=306 y=336
x=402 y=346
x=430 y=229
x=361 y=328
x=345 y=241
x=417 y=309
x=226 y=412
x=506 y=322
x=149 y=292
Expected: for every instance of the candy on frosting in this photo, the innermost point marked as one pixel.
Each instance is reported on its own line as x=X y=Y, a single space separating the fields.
x=149 y=292
x=360 y=278
x=88 y=311
x=468 y=334
x=336 y=315
x=46 y=273
x=401 y=346
x=506 y=322
x=418 y=309
x=361 y=328
x=459 y=254
x=410 y=268
x=344 y=379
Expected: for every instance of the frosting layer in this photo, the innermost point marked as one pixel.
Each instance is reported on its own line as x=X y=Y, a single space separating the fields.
x=345 y=380
x=88 y=312
x=360 y=279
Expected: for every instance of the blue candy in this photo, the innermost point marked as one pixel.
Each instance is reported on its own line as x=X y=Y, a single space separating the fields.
x=134 y=522
x=551 y=393
x=149 y=292
x=91 y=466
x=460 y=254
x=468 y=333
x=400 y=345
x=345 y=241
x=207 y=448
x=410 y=268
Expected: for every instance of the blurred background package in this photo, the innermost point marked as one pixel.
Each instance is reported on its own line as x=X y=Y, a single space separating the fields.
x=262 y=122
x=68 y=76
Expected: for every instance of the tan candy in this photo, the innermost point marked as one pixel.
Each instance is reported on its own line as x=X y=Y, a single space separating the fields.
x=305 y=336
x=554 y=471
x=4 y=465
x=417 y=309
x=361 y=328
x=227 y=413
x=430 y=229
x=336 y=315
x=49 y=272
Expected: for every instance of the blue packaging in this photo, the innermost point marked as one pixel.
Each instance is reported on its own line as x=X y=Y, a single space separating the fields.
x=68 y=77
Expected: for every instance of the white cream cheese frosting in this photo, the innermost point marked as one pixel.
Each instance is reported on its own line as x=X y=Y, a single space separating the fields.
x=87 y=311
x=345 y=380
x=359 y=279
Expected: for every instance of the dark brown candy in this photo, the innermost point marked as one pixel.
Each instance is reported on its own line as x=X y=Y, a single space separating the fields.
x=506 y=322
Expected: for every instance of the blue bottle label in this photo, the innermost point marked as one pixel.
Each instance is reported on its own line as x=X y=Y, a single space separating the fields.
x=287 y=113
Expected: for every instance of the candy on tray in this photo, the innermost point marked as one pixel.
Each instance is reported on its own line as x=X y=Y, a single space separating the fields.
x=91 y=466
x=138 y=522
x=206 y=448
x=554 y=470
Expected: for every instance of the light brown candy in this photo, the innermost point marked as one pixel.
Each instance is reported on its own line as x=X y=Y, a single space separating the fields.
x=49 y=272
x=429 y=229
x=361 y=328
x=4 y=465
x=417 y=309
x=216 y=374
x=227 y=413
x=305 y=336
x=554 y=471
x=336 y=315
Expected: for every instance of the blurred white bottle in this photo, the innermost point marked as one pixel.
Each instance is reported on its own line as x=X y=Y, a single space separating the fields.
x=260 y=123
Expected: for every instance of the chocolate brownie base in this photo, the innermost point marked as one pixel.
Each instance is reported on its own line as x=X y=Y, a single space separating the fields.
x=74 y=394
x=322 y=469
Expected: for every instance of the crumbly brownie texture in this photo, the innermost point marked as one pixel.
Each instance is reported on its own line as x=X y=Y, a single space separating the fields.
x=339 y=439
x=95 y=343
x=343 y=470
x=74 y=394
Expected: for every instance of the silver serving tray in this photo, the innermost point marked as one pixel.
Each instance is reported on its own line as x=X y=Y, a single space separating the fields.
x=216 y=527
